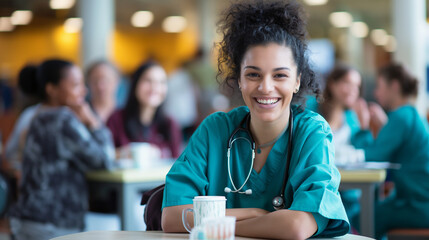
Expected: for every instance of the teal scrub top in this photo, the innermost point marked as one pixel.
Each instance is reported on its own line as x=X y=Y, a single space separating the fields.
x=312 y=185
x=404 y=140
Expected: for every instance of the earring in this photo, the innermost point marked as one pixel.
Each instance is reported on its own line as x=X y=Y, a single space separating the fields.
x=296 y=90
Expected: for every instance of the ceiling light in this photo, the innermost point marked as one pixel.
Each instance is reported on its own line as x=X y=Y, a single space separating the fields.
x=379 y=37
x=142 y=19
x=359 y=29
x=73 y=25
x=21 y=17
x=61 y=4
x=315 y=2
x=390 y=45
x=6 y=24
x=174 y=24
x=340 y=19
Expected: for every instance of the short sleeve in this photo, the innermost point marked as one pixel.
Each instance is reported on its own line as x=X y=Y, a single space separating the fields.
x=315 y=180
x=187 y=177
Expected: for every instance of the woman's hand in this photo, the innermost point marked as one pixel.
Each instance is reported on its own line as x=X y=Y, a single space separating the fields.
x=123 y=152
x=378 y=117
x=362 y=111
x=86 y=115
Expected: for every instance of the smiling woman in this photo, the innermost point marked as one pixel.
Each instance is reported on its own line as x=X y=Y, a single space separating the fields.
x=263 y=52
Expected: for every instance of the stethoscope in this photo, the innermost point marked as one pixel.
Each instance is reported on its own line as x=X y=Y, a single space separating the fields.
x=278 y=201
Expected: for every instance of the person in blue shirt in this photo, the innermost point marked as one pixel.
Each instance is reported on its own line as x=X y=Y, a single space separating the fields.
x=263 y=53
x=403 y=139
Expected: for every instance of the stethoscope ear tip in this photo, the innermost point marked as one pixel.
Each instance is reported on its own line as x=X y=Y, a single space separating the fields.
x=227 y=189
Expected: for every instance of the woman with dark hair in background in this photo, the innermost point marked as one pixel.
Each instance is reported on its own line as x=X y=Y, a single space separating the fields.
x=281 y=155
x=142 y=118
x=64 y=140
x=403 y=139
x=103 y=80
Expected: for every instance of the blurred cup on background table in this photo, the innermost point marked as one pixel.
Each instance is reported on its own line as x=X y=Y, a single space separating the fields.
x=144 y=155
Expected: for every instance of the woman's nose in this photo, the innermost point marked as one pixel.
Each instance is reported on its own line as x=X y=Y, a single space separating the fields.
x=266 y=85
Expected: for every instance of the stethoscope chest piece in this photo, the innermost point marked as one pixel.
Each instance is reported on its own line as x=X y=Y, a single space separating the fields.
x=278 y=203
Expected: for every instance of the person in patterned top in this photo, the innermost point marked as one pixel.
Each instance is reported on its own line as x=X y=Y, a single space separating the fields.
x=65 y=139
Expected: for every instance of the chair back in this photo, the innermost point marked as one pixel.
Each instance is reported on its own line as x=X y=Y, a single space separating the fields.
x=152 y=212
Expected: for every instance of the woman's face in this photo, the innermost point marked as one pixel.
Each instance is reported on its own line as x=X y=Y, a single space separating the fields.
x=382 y=92
x=151 y=88
x=268 y=79
x=346 y=90
x=71 y=89
x=103 y=82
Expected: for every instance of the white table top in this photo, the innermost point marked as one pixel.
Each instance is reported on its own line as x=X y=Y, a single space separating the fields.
x=131 y=235
x=159 y=173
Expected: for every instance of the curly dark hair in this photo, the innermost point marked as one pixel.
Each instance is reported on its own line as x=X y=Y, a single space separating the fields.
x=249 y=23
x=398 y=72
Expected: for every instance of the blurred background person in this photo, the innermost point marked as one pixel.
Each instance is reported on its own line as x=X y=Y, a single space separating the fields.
x=103 y=79
x=65 y=139
x=27 y=84
x=342 y=90
x=404 y=139
x=142 y=118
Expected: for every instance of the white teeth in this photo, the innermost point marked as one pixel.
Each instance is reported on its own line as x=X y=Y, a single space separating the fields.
x=267 y=101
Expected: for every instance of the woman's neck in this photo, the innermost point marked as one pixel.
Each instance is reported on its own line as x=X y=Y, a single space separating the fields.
x=265 y=132
x=104 y=108
x=146 y=115
x=399 y=102
x=51 y=103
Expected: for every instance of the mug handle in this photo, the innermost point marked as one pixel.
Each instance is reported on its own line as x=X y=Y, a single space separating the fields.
x=185 y=217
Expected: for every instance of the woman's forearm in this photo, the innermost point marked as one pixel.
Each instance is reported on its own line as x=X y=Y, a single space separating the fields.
x=283 y=224
x=245 y=213
x=171 y=220
x=172 y=216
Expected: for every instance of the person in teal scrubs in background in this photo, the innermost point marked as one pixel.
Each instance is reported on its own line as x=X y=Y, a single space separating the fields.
x=342 y=90
x=263 y=53
x=403 y=139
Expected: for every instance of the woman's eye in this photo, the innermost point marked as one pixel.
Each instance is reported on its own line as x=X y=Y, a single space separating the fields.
x=280 y=75
x=252 y=75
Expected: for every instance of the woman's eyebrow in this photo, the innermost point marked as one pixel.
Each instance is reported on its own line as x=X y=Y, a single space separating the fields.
x=281 y=68
x=252 y=67
x=275 y=69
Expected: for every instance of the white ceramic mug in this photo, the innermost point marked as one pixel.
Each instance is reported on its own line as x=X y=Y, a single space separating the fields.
x=144 y=154
x=204 y=207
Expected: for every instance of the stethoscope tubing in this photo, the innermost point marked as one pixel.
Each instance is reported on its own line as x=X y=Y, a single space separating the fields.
x=278 y=201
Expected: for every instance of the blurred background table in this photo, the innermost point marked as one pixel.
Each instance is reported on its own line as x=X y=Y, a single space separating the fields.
x=129 y=184
x=366 y=180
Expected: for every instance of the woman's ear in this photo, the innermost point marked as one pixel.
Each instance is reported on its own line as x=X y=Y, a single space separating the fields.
x=51 y=91
x=298 y=84
x=395 y=87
